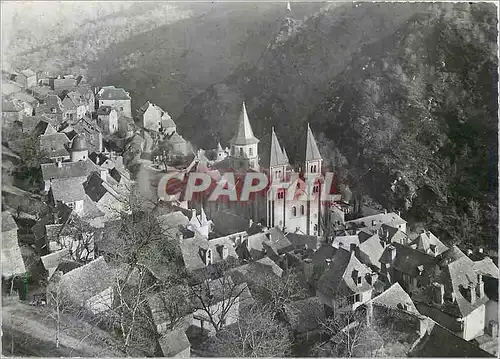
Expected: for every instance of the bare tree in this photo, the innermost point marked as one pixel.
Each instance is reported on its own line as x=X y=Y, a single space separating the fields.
x=217 y=300
x=255 y=335
x=349 y=336
x=276 y=291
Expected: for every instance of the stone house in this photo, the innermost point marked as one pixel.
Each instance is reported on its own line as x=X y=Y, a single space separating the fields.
x=455 y=298
x=89 y=286
x=428 y=243
x=12 y=260
x=87 y=95
x=116 y=98
x=107 y=119
x=52 y=107
x=55 y=146
x=345 y=284
x=150 y=116
x=11 y=112
x=374 y=222
x=407 y=266
x=74 y=105
x=26 y=78
x=28 y=102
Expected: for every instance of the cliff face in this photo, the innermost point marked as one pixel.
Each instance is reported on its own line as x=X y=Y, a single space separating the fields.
x=403 y=99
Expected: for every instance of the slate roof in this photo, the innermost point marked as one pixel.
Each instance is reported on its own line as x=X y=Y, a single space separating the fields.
x=104 y=110
x=338 y=281
x=251 y=270
x=12 y=260
x=24 y=97
x=175 y=138
x=166 y=121
x=52 y=260
x=174 y=342
x=278 y=158
x=408 y=259
x=220 y=289
x=94 y=188
x=173 y=224
x=227 y=222
x=298 y=240
x=455 y=277
x=324 y=252
x=486 y=267
x=312 y=151
x=49 y=103
x=278 y=241
x=391 y=219
x=8 y=222
x=67 y=190
x=112 y=93
x=38 y=125
x=305 y=315
x=10 y=106
x=426 y=241
x=75 y=97
x=439 y=342
x=373 y=250
x=64 y=84
x=451 y=255
x=394 y=298
x=28 y=72
x=193 y=251
x=54 y=144
x=244 y=135
x=87 y=281
x=68 y=169
x=345 y=241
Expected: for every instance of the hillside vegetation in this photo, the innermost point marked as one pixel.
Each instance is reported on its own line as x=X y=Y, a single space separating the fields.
x=402 y=97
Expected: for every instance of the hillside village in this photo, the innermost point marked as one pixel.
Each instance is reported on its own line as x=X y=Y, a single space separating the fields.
x=89 y=250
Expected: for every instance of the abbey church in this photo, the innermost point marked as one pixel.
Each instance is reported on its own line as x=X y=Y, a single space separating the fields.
x=292 y=200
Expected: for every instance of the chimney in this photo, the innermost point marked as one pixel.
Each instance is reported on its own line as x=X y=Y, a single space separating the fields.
x=470 y=293
x=469 y=252
x=399 y=213
x=385 y=211
x=193 y=213
x=481 y=250
x=480 y=286
x=352 y=247
x=59 y=164
x=369 y=313
x=392 y=252
x=225 y=252
x=438 y=291
x=328 y=262
x=308 y=268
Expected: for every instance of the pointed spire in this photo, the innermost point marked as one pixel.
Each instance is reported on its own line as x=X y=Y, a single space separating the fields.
x=312 y=151
x=278 y=158
x=245 y=135
x=203 y=217
x=219 y=147
x=288 y=7
x=286 y=156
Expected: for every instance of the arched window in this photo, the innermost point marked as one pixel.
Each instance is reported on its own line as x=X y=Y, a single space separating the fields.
x=302 y=210
x=294 y=211
x=312 y=169
x=241 y=151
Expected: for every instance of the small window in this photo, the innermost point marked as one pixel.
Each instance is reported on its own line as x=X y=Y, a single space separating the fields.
x=315 y=227
x=241 y=151
x=302 y=211
x=250 y=151
x=359 y=280
x=294 y=211
x=357 y=298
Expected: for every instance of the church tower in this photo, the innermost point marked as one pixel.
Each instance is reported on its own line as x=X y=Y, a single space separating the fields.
x=276 y=199
x=78 y=151
x=313 y=157
x=279 y=160
x=314 y=207
x=244 y=145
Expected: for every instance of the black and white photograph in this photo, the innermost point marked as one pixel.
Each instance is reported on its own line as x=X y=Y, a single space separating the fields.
x=249 y=179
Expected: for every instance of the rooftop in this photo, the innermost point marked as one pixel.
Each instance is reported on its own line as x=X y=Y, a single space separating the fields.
x=112 y=93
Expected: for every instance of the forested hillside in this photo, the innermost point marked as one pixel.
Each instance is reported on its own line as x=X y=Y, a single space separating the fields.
x=407 y=103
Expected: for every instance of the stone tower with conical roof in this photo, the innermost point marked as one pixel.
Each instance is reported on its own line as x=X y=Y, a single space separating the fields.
x=244 y=145
x=313 y=160
x=278 y=161
x=79 y=150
